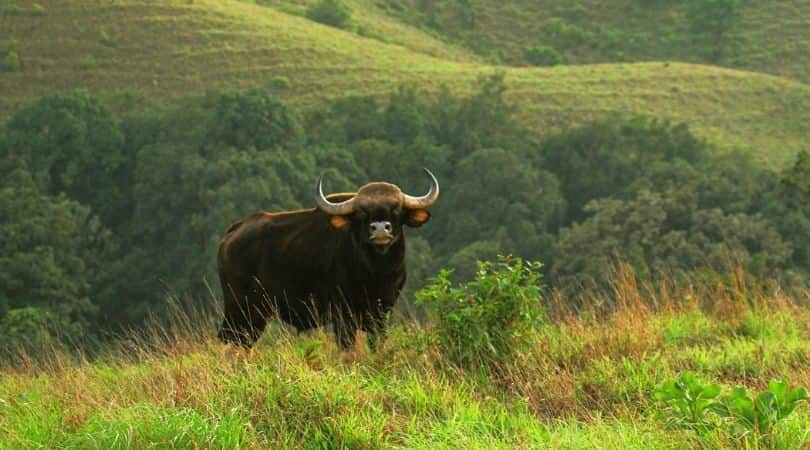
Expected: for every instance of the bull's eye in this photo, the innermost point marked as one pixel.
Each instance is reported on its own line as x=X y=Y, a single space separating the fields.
x=359 y=214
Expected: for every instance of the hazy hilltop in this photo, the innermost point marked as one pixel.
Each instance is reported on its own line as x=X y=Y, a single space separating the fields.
x=140 y=53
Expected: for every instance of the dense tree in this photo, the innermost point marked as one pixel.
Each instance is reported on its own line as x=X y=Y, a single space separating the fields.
x=497 y=197
x=711 y=21
x=168 y=183
x=797 y=177
x=253 y=118
x=601 y=158
x=71 y=144
x=50 y=251
x=643 y=231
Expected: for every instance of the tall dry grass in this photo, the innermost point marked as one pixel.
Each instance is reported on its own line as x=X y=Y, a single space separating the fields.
x=601 y=359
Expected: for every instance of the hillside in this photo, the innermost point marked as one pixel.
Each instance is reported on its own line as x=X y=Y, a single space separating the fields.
x=770 y=38
x=137 y=52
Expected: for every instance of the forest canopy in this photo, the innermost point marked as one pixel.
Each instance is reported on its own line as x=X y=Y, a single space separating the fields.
x=104 y=216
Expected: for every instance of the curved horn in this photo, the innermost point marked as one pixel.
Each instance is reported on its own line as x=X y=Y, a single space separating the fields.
x=427 y=200
x=335 y=209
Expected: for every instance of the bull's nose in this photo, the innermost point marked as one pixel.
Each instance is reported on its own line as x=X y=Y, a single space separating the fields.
x=378 y=228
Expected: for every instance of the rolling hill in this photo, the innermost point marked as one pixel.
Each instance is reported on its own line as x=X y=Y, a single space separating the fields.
x=137 y=53
x=771 y=37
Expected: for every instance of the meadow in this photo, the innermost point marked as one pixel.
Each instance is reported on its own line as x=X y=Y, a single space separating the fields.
x=586 y=379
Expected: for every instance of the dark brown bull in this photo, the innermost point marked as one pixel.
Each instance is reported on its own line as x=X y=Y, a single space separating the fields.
x=343 y=262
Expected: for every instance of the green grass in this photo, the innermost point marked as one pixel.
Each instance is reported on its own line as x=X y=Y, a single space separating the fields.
x=168 y=50
x=586 y=382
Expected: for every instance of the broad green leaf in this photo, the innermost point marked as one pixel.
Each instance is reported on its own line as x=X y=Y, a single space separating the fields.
x=778 y=388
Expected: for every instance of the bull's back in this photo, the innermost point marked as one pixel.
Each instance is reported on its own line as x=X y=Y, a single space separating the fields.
x=298 y=240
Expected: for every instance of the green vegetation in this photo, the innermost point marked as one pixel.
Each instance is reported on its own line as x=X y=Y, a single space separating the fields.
x=667 y=202
x=225 y=45
x=542 y=56
x=711 y=21
x=330 y=12
x=750 y=35
x=488 y=320
x=751 y=420
x=12 y=61
x=586 y=381
x=170 y=182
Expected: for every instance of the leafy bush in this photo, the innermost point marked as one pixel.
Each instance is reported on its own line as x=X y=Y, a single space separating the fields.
x=541 y=55
x=105 y=39
x=485 y=321
x=748 y=418
x=688 y=401
x=330 y=12
x=12 y=61
x=88 y=62
x=280 y=82
x=756 y=416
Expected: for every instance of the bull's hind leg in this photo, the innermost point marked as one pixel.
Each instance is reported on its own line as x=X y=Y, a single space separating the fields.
x=245 y=318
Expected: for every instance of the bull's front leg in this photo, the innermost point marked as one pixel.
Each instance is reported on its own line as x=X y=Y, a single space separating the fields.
x=345 y=333
x=344 y=323
x=375 y=320
x=375 y=325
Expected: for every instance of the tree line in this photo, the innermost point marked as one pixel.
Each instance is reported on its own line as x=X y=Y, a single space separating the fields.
x=105 y=216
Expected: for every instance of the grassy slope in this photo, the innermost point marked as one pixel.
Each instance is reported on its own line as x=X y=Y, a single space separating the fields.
x=167 y=50
x=772 y=37
x=586 y=383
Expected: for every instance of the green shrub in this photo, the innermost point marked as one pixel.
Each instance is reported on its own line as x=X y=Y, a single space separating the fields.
x=541 y=55
x=755 y=417
x=12 y=61
x=105 y=39
x=279 y=82
x=750 y=419
x=563 y=32
x=88 y=62
x=485 y=321
x=688 y=402
x=330 y=12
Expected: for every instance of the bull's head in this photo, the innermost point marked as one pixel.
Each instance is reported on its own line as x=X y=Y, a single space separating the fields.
x=378 y=211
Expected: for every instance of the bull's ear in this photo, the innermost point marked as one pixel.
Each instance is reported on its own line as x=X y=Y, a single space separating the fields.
x=416 y=217
x=339 y=222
